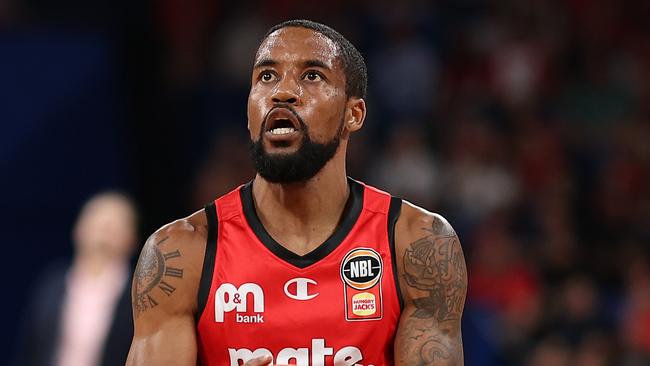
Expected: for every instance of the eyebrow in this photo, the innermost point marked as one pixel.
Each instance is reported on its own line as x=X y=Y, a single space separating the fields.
x=316 y=63
x=265 y=62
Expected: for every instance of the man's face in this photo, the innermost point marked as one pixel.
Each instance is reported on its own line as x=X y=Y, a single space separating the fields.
x=296 y=105
x=106 y=227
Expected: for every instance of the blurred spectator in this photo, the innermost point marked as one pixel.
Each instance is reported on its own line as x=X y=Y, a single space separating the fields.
x=406 y=70
x=80 y=314
x=596 y=349
x=575 y=311
x=550 y=351
x=478 y=179
x=238 y=42
x=635 y=327
x=227 y=162
x=408 y=156
x=505 y=285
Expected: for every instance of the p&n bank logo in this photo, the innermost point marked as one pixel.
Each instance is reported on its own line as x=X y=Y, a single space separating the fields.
x=229 y=298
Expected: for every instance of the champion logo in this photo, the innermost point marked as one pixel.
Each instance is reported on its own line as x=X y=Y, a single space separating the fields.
x=301 y=289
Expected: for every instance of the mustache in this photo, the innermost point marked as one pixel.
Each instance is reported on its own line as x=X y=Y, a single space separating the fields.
x=289 y=107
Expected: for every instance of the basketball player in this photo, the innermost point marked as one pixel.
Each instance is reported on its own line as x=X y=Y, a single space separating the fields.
x=302 y=265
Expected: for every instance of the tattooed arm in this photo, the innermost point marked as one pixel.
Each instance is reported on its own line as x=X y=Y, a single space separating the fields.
x=164 y=293
x=433 y=280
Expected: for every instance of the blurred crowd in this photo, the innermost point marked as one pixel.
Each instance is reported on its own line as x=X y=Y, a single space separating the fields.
x=525 y=123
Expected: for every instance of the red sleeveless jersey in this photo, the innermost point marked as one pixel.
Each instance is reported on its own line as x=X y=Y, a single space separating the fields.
x=337 y=305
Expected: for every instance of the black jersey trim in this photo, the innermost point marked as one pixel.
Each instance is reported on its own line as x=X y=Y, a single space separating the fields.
x=349 y=217
x=208 y=258
x=393 y=214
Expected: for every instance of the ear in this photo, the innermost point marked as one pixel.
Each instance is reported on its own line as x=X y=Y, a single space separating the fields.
x=355 y=113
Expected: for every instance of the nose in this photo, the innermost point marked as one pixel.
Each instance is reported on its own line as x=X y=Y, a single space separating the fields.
x=286 y=91
x=284 y=98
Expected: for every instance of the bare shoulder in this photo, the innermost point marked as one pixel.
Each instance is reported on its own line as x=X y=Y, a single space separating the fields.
x=431 y=265
x=415 y=221
x=168 y=272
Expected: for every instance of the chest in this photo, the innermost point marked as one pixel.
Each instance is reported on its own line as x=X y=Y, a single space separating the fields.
x=339 y=310
x=256 y=290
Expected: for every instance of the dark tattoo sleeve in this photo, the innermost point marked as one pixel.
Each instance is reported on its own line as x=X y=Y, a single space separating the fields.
x=153 y=274
x=436 y=276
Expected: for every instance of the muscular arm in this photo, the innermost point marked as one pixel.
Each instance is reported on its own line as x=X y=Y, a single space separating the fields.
x=164 y=292
x=433 y=277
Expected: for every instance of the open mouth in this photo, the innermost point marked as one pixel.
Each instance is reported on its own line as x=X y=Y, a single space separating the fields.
x=281 y=121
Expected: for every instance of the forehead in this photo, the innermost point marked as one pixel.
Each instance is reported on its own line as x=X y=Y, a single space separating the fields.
x=293 y=44
x=107 y=205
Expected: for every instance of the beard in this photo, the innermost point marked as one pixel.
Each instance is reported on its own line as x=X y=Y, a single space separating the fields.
x=298 y=166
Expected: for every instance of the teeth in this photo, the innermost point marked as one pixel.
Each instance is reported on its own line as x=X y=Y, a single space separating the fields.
x=282 y=131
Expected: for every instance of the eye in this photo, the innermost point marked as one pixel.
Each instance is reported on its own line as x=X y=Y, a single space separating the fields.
x=313 y=76
x=266 y=76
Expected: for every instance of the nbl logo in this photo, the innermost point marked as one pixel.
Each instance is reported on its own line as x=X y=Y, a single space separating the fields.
x=229 y=298
x=361 y=268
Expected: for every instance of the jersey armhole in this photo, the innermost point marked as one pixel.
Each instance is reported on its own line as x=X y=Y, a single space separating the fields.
x=208 y=259
x=394 y=211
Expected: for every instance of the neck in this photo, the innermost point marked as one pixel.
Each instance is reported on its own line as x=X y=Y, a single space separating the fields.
x=301 y=216
x=94 y=265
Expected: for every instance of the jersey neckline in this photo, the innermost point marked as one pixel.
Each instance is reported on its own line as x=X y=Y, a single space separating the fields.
x=349 y=217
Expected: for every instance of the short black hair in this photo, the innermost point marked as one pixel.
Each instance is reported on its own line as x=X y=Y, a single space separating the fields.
x=354 y=67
